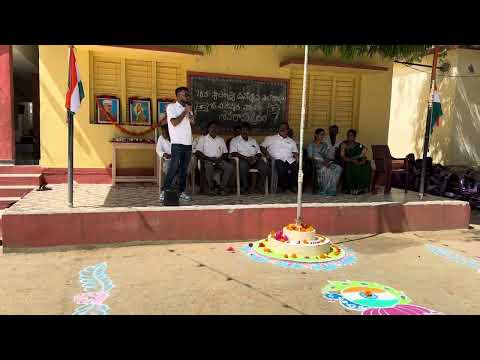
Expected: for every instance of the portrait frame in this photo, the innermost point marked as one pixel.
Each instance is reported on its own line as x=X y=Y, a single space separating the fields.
x=140 y=106
x=162 y=110
x=99 y=119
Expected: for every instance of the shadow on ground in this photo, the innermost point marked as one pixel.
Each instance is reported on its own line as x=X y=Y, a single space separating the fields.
x=379 y=244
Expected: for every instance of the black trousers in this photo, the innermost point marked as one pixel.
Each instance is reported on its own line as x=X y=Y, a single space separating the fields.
x=179 y=162
x=244 y=168
x=287 y=174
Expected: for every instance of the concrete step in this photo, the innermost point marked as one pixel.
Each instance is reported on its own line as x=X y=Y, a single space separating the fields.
x=15 y=190
x=20 y=179
x=5 y=202
x=20 y=169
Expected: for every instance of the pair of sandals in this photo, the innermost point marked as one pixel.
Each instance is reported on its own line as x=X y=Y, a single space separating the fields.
x=216 y=192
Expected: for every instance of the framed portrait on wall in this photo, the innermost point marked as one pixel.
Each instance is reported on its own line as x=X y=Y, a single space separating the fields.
x=162 y=110
x=140 y=112
x=111 y=106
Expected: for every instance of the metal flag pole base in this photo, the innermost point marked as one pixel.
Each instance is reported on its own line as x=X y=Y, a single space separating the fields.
x=70 y=159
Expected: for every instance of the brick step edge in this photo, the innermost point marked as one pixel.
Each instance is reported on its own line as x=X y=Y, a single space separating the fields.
x=20 y=169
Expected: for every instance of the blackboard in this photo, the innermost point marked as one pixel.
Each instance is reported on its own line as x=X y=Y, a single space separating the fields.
x=231 y=100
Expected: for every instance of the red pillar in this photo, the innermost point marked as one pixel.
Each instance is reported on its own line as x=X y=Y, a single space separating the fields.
x=7 y=128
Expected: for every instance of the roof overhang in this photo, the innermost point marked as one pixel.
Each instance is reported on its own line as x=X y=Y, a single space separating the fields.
x=147 y=51
x=332 y=64
x=161 y=48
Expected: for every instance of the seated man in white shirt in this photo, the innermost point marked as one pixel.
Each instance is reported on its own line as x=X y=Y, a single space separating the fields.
x=164 y=148
x=248 y=151
x=284 y=151
x=213 y=150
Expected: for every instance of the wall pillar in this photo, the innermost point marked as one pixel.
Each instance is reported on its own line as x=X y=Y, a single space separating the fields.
x=36 y=114
x=7 y=127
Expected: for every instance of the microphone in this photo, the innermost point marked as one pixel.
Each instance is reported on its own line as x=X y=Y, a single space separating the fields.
x=189 y=103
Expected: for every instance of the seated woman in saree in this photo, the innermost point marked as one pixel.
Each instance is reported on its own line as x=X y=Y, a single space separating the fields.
x=328 y=173
x=358 y=171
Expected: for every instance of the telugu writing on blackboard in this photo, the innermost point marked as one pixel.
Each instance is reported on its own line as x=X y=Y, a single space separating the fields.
x=232 y=100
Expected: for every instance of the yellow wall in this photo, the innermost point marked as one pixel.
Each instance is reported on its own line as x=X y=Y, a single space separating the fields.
x=465 y=126
x=455 y=142
x=92 y=147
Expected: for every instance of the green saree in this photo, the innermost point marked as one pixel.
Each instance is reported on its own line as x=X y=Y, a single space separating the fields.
x=357 y=176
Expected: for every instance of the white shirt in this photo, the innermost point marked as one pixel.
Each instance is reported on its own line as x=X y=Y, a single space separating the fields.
x=280 y=148
x=246 y=148
x=332 y=147
x=212 y=147
x=163 y=146
x=182 y=133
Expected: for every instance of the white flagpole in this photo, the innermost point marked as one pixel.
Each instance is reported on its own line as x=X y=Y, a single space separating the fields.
x=302 y=126
x=70 y=147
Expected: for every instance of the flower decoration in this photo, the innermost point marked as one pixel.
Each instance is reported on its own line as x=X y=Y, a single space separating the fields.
x=257 y=254
x=302 y=227
x=280 y=236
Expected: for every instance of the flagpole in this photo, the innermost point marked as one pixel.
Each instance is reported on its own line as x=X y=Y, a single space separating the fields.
x=426 y=140
x=70 y=158
x=70 y=152
x=302 y=126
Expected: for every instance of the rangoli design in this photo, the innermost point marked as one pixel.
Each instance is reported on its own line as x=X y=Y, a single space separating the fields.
x=339 y=257
x=96 y=286
x=453 y=256
x=372 y=298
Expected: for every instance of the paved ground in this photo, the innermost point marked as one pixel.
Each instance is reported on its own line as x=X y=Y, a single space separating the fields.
x=88 y=198
x=205 y=278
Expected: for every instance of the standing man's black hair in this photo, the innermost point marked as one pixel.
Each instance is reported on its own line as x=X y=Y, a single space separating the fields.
x=181 y=88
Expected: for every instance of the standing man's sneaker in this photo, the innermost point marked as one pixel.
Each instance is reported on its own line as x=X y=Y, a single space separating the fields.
x=162 y=196
x=185 y=197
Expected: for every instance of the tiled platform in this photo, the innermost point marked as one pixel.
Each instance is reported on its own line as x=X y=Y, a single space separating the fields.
x=101 y=197
x=131 y=213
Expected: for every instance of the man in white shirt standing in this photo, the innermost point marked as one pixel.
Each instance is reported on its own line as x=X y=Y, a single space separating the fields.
x=250 y=157
x=213 y=150
x=164 y=148
x=283 y=150
x=179 y=119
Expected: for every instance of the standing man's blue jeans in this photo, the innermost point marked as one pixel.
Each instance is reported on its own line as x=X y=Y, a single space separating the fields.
x=181 y=155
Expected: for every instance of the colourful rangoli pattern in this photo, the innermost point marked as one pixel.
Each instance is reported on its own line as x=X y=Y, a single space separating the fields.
x=344 y=257
x=96 y=289
x=372 y=298
x=453 y=256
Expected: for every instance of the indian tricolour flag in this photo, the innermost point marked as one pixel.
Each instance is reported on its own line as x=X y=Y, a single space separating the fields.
x=75 y=92
x=436 y=110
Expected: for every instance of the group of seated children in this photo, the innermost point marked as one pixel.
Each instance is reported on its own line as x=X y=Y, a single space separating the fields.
x=330 y=156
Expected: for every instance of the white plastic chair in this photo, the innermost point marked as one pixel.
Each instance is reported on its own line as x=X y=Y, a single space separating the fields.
x=251 y=171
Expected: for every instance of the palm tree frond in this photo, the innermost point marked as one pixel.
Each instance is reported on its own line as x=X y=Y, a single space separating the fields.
x=347 y=52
